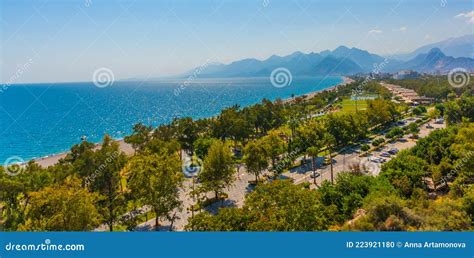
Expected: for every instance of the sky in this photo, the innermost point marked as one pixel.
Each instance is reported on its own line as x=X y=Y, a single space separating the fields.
x=67 y=40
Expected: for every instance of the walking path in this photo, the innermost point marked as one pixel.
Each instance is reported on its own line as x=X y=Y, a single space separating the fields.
x=240 y=188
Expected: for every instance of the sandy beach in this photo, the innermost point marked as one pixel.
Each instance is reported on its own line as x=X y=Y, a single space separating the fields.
x=53 y=159
x=346 y=80
x=127 y=148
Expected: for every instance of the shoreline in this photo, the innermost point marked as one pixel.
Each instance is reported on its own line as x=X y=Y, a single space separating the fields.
x=54 y=158
x=50 y=160
x=345 y=80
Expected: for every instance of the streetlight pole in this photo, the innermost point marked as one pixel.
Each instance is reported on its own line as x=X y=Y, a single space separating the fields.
x=193 y=197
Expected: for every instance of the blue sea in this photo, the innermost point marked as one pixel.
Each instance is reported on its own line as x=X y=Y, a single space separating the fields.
x=44 y=119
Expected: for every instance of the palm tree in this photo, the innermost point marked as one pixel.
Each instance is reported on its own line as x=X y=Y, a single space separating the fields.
x=313 y=153
x=330 y=141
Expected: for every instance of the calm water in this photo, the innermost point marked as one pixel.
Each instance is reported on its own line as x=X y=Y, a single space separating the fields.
x=43 y=119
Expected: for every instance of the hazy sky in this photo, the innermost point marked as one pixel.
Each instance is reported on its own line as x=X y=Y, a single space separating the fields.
x=67 y=40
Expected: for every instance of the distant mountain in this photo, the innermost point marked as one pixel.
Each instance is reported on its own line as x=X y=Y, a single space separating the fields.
x=337 y=66
x=436 y=61
x=340 y=61
x=362 y=58
x=455 y=47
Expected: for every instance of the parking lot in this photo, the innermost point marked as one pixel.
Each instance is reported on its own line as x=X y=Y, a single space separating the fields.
x=351 y=157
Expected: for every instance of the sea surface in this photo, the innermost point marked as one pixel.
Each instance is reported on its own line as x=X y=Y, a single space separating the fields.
x=37 y=120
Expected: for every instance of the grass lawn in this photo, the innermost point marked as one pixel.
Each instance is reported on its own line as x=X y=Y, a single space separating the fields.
x=349 y=105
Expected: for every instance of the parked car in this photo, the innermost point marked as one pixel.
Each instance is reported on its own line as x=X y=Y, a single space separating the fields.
x=314 y=175
x=393 y=151
x=402 y=140
x=378 y=160
x=385 y=154
x=439 y=121
x=327 y=161
x=428 y=126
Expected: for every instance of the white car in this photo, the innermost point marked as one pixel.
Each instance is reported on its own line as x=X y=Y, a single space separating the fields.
x=377 y=160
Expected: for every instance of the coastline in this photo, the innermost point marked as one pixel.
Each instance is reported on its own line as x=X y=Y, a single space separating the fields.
x=53 y=159
x=345 y=81
x=128 y=150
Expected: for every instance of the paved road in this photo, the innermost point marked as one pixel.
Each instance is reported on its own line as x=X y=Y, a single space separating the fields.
x=302 y=174
x=344 y=160
x=236 y=194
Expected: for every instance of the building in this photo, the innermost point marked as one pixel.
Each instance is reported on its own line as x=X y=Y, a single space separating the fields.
x=406 y=74
x=407 y=95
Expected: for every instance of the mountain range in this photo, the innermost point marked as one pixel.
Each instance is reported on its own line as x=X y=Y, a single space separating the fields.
x=349 y=61
x=456 y=47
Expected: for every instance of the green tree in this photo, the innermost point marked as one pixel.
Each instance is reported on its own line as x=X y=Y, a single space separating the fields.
x=255 y=158
x=155 y=180
x=446 y=214
x=202 y=145
x=66 y=207
x=419 y=110
x=186 y=132
x=277 y=206
x=339 y=126
x=365 y=148
x=10 y=192
x=414 y=129
x=405 y=172
x=394 y=132
x=218 y=172
x=330 y=142
x=434 y=113
x=106 y=180
x=313 y=153
x=140 y=136
x=231 y=124
x=452 y=113
x=274 y=146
